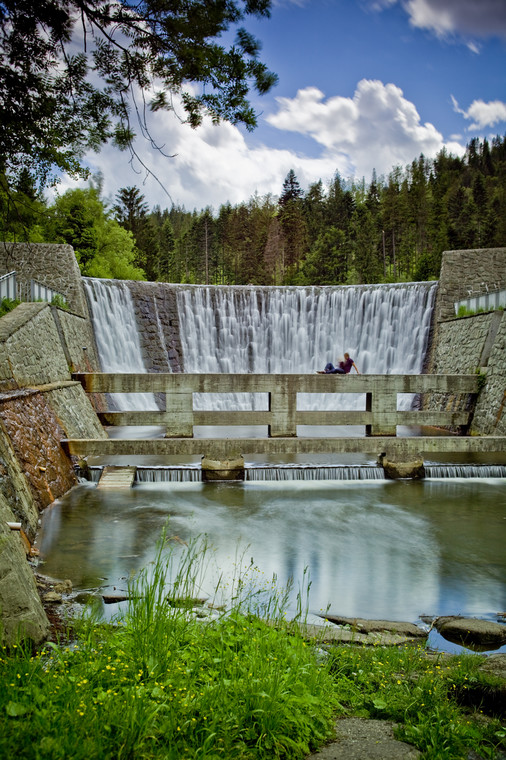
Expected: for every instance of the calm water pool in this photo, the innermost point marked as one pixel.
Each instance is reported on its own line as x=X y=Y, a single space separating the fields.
x=376 y=549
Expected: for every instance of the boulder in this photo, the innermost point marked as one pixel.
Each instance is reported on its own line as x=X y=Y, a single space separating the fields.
x=473 y=633
x=359 y=738
x=378 y=626
x=22 y=613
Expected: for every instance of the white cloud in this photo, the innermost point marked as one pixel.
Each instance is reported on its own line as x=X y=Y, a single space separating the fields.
x=486 y=18
x=377 y=128
x=211 y=165
x=482 y=114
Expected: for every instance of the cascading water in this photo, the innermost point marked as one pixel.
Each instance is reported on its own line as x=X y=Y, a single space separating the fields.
x=116 y=336
x=385 y=328
x=186 y=474
x=271 y=330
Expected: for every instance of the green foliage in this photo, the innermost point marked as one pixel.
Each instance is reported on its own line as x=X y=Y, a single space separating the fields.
x=482 y=379
x=420 y=692
x=7 y=305
x=103 y=248
x=58 y=300
x=57 y=102
x=22 y=210
x=463 y=311
x=161 y=684
x=393 y=230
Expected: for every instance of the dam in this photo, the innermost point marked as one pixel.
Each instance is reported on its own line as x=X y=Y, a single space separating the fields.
x=391 y=331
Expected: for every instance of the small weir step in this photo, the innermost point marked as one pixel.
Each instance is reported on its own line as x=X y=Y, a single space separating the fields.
x=117 y=477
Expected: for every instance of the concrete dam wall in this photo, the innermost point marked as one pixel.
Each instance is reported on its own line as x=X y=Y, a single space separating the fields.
x=40 y=345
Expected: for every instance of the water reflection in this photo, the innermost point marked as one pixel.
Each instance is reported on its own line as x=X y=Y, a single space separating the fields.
x=375 y=549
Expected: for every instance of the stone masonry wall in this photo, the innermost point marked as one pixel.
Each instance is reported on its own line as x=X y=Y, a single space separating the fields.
x=490 y=412
x=469 y=272
x=468 y=345
x=78 y=340
x=52 y=265
x=475 y=343
x=30 y=342
x=39 y=405
x=155 y=307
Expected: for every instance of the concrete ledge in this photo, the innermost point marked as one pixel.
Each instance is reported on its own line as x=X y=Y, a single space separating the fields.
x=407 y=449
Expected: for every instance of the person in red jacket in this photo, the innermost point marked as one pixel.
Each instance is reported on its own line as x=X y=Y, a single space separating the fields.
x=343 y=368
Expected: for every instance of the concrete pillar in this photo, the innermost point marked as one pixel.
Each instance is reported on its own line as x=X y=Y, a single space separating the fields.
x=383 y=406
x=179 y=415
x=401 y=467
x=283 y=407
x=223 y=469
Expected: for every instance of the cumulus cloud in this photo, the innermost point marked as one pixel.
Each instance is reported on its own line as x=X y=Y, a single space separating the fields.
x=377 y=128
x=486 y=18
x=482 y=114
x=210 y=165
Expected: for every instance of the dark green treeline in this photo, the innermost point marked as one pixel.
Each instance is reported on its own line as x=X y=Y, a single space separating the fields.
x=393 y=229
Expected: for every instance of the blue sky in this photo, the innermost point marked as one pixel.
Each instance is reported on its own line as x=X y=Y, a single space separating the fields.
x=363 y=85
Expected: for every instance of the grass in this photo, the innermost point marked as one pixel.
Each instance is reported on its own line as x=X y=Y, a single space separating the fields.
x=463 y=311
x=158 y=683
x=161 y=684
x=7 y=305
x=422 y=693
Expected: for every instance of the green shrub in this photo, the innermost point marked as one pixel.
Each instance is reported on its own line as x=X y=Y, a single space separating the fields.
x=58 y=300
x=7 y=305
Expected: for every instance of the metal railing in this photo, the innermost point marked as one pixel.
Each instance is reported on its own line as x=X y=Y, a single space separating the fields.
x=36 y=291
x=485 y=301
x=8 y=287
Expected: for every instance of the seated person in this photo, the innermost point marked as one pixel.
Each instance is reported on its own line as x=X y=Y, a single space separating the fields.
x=343 y=368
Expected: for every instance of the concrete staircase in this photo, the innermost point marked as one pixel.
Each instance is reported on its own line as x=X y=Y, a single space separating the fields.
x=117 y=477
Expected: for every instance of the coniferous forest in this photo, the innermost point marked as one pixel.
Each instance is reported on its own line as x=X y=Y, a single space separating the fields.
x=394 y=228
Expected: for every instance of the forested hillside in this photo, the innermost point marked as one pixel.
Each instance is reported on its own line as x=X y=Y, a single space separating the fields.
x=393 y=229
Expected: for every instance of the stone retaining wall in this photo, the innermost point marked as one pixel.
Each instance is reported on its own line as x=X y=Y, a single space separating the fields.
x=468 y=272
x=52 y=265
x=39 y=405
x=155 y=307
x=471 y=344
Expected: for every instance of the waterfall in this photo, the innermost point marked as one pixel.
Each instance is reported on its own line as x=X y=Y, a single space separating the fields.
x=312 y=472
x=116 y=336
x=385 y=328
x=465 y=471
x=277 y=473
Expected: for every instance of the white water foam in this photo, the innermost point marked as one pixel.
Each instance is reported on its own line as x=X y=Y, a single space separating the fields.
x=117 y=336
x=385 y=328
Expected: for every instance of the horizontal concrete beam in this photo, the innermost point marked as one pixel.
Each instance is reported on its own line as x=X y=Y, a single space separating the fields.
x=244 y=418
x=104 y=382
x=217 y=448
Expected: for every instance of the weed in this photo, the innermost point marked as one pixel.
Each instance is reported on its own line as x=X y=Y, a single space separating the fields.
x=7 y=305
x=159 y=683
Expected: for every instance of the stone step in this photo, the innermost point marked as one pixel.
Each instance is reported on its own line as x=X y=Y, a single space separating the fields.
x=117 y=477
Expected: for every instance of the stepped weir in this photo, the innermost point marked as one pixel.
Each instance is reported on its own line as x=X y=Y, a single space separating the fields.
x=250 y=357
